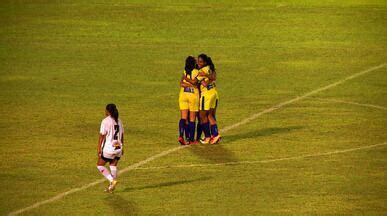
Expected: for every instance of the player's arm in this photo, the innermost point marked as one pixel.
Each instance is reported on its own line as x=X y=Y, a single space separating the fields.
x=191 y=81
x=100 y=141
x=122 y=141
x=184 y=84
x=211 y=76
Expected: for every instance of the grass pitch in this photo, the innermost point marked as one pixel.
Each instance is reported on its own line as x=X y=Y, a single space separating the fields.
x=62 y=62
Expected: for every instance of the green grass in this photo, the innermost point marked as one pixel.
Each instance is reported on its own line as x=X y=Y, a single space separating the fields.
x=62 y=62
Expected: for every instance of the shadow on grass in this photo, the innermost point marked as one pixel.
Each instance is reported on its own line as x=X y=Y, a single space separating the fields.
x=215 y=153
x=121 y=206
x=166 y=184
x=218 y=154
x=260 y=133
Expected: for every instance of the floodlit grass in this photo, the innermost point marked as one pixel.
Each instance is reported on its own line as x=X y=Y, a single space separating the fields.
x=62 y=62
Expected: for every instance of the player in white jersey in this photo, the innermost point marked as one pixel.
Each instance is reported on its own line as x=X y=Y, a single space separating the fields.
x=110 y=145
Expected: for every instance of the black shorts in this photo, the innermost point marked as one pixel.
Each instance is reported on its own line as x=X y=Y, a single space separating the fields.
x=108 y=159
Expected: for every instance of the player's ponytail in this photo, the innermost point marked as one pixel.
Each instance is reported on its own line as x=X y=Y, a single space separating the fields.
x=210 y=64
x=190 y=64
x=112 y=109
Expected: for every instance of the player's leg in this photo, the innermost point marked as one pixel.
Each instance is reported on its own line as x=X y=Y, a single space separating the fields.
x=102 y=169
x=213 y=127
x=216 y=106
x=211 y=117
x=199 y=129
x=193 y=110
x=182 y=126
x=184 y=106
x=191 y=127
x=113 y=169
x=186 y=129
x=203 y=113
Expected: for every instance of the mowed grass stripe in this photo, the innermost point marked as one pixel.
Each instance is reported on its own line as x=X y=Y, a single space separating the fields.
x=224 y=130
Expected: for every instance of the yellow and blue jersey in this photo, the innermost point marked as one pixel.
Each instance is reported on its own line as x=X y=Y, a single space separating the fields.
x=209 y=97
x=189 y=96
x=205 y=89
x=193 y=75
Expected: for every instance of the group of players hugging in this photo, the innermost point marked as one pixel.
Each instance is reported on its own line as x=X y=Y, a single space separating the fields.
x=198 y=98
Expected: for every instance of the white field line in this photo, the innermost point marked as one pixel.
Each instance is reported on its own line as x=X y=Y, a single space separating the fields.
x=264 y=161
x=164 y=153
x=126 y=169
x=253 y=117
x=351 y=103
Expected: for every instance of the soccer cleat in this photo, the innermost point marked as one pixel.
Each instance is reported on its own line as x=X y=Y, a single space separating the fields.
x=107 y=189
x=112 y=186
x=182 y=141
x=216 y=139
x=193 y=142
x=206 y=140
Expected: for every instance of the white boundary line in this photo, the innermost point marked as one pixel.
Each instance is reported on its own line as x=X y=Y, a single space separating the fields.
x=350 y=102
x=243 y=122
x=264 y=161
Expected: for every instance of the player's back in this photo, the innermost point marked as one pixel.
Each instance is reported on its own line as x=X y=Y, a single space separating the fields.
x=193 y=75
x=113 y=132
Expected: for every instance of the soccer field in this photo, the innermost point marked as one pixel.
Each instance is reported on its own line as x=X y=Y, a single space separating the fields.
x=303 y=107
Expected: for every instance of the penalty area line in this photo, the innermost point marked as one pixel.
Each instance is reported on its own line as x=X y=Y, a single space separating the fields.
x=164 y=153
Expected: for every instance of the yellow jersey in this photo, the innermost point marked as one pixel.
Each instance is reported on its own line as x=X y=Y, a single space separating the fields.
x=194 y=73
x=207 y=71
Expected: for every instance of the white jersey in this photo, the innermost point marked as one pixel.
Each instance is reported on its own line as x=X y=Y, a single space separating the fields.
x=113 y=132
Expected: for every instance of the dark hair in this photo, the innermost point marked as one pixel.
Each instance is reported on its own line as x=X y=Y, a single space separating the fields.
x=204 y=57
x=190 y=64
x=112 y=109
x=208 y=61
x=211 y=64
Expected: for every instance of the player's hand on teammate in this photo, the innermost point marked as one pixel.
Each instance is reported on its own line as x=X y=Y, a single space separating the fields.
x=202 y=73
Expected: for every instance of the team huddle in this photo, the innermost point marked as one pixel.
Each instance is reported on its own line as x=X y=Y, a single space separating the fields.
x=198 y=94
x=198 y=99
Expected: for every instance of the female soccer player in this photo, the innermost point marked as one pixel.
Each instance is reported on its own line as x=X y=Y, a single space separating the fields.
x=188 y=101
x=110 y=145
x=208 y=100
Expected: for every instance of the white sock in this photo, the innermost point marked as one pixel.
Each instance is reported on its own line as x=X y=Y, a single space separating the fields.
x=105 y=172
x=113 y=170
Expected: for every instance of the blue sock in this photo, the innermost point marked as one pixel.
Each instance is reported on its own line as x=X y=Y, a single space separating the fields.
x=214 y=130
x=199 y=131
x=206 y=129
x=181 y=127
x=191 y=129
x=186 y=130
